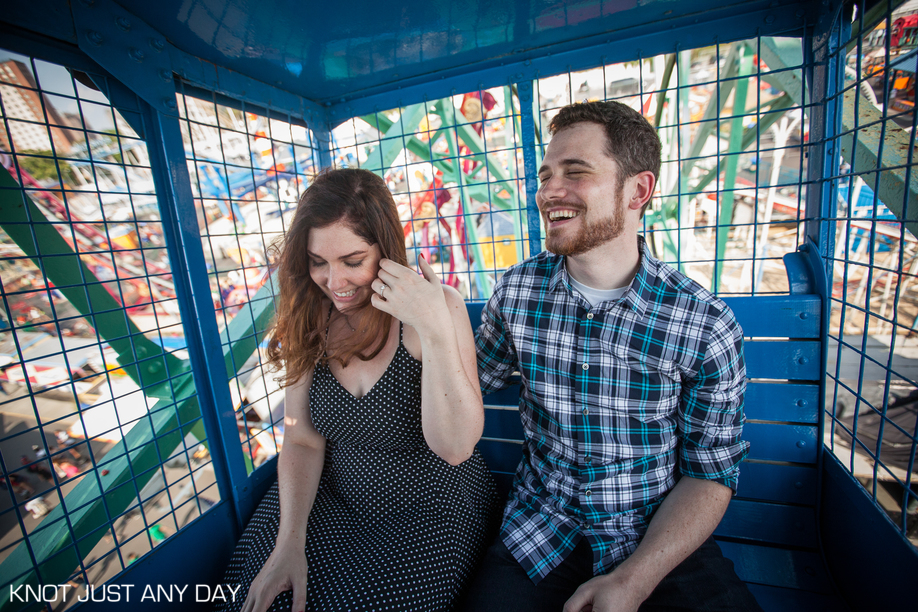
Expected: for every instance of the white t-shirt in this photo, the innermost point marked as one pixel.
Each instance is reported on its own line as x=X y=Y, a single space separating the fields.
x=595 y=296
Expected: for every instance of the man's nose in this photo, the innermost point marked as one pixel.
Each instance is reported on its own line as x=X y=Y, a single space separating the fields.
x=551 y=189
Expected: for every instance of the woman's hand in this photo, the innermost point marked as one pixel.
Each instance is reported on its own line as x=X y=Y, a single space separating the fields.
x=452 y=416
x=416 y=301
x=284 y=570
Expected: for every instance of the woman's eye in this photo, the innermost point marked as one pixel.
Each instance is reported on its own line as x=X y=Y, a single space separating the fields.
x=316 y=264
x=353 y=265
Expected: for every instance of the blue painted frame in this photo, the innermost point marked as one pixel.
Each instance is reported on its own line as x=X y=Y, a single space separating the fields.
x=158 y=123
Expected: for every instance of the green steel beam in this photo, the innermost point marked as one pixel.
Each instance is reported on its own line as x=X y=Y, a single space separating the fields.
x=141 y=358
x=750 y=135
x=514 y=128
x=470 y=230
x=112 y=488
x=392 y=143
x=890 y=186
x=735 y=147
x=712 y=111
x=873 y=16
x=783 y=56
x=480 y=191
x=664 y=86
x=672 y=209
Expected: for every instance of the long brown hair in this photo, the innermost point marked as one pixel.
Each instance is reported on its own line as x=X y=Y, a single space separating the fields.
x=360 y=199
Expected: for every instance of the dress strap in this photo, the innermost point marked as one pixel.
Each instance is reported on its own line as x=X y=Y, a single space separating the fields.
x=401 y=329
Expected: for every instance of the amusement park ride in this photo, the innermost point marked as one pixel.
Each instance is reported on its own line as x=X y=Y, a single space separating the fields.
x=787 y=188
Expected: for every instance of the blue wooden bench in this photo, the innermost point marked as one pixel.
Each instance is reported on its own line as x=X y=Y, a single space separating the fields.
x=770 y=528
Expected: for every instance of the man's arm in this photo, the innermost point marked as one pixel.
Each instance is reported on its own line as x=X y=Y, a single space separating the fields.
x=497 y=358
x=685 y=519
x=710 y=425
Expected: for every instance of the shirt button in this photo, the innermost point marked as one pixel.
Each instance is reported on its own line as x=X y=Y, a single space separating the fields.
x=586 y=366
x=590 y=315
x=588 y=459
x=586 y=411
x=585 y=525
x=588 y=493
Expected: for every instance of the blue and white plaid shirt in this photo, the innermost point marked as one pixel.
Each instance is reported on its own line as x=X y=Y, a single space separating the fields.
x=616 y=399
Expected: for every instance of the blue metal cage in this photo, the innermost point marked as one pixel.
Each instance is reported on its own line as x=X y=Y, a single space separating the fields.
x=152 y=154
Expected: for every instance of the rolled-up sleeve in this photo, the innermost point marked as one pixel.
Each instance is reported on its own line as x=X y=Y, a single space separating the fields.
x=711 y=415
x=496 y=355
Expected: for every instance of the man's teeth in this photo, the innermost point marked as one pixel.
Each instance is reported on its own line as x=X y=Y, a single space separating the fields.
x=562 y=214
x=346 y=294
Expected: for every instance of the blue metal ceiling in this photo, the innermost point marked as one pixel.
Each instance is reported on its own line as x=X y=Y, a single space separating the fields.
x=329 y=52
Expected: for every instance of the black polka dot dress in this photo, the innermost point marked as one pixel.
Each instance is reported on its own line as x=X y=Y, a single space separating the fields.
x=393 y=527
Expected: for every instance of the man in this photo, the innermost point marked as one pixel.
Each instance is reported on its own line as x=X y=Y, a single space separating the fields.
x=632 y=396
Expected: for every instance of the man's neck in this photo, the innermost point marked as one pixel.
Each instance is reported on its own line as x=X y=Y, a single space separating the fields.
x=609 y=266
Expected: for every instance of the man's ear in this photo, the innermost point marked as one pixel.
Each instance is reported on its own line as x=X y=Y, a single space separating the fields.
x=643 y=186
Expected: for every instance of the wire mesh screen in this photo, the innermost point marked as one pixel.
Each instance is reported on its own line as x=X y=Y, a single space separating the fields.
x=872 y=397
x=102 y=445
x=455 y=168
x=248 y=168
x=733 y=120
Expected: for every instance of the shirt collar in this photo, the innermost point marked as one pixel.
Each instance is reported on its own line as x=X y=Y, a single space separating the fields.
x=639 y=295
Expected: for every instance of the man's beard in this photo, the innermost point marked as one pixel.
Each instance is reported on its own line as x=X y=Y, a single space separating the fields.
x=591 y=235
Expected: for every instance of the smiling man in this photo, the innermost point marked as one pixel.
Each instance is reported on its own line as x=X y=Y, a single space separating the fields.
x=632 y=396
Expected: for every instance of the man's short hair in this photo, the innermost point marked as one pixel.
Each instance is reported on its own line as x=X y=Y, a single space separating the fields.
x=630 y=140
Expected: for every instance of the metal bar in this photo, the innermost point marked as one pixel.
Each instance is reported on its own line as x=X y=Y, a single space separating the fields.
x=528 y=129
x=186 y=253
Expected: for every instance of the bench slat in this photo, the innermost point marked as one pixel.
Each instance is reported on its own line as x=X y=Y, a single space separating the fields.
x=769 y=441
x=791 y=484
x=797 y=403
x=502 y=456
x=771 y=523
x=765 y=401
x=778 y=567
x=776 y=599
x=503 y=423
x=769 y=316
x=761 y=481
x=777 y=316
x=782 y=359
x=779 y=442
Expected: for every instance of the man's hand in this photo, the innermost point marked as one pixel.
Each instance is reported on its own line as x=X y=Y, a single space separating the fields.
x=609 y=593
x=685 y=519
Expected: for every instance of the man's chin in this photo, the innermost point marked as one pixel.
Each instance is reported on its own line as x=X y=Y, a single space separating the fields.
x=559 y=246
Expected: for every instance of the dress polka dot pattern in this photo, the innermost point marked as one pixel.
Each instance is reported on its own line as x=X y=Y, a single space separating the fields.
x=393 y=527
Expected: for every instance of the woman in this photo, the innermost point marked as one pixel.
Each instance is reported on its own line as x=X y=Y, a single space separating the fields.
x=379 y=480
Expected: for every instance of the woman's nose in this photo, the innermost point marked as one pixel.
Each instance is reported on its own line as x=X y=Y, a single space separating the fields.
x=335 y=280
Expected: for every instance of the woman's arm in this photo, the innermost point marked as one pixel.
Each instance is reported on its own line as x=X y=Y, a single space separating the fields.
x=299 y=468
x=452 y=414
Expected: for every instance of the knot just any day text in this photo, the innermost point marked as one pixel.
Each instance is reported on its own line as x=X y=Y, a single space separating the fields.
x=154 y=593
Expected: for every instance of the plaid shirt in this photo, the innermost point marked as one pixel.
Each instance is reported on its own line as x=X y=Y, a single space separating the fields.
x=615 y=399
